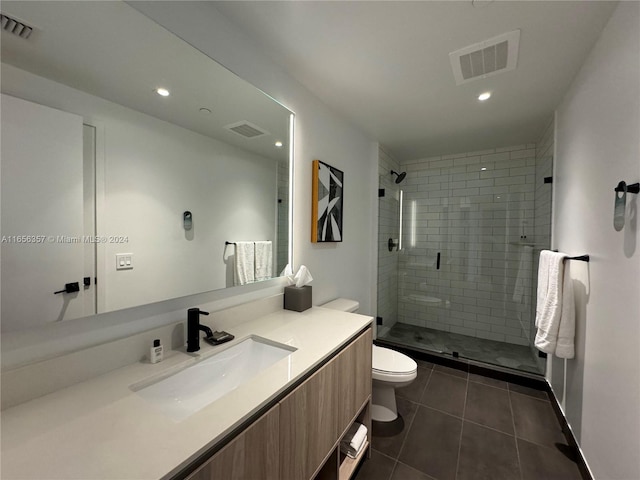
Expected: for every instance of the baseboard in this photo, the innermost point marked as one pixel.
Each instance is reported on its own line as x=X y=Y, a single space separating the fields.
x=576 y=451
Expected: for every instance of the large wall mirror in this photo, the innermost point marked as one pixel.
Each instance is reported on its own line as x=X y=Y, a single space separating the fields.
x=114 y=195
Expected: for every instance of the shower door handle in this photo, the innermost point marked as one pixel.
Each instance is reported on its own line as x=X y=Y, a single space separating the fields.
x=438 y=261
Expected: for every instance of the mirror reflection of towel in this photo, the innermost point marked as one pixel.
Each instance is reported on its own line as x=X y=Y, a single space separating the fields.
x=263 y=260
x=244 y=271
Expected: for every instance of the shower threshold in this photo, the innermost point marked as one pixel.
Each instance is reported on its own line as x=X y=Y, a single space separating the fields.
x=502 y=354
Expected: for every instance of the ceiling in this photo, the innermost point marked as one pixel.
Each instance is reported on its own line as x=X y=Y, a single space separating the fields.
x=385 y=65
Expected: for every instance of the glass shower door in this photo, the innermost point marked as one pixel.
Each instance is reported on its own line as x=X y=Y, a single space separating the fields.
x=388 y=254
x=464 y=266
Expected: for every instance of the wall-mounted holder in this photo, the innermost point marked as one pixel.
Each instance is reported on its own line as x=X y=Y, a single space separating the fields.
x=187 y=220
x=633 y=188
x=620 y=202
x=69 y=288
x=582 y=258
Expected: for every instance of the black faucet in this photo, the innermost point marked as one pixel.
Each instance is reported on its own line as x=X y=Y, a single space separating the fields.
x=194 y=327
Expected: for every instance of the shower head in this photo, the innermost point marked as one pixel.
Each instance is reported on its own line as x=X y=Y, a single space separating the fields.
x=400 y=176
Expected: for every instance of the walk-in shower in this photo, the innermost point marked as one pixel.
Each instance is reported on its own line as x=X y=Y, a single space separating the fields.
x=459 y=241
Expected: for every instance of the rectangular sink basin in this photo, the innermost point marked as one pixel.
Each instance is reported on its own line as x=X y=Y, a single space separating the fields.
x=192 y=388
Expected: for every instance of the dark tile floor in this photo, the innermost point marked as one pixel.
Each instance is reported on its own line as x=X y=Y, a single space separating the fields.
x=504 y=354
x=460 y=426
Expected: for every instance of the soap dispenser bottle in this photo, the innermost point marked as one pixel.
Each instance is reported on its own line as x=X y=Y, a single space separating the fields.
x=155 y=353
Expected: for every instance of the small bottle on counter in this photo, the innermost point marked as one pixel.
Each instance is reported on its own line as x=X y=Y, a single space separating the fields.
x=155 y=353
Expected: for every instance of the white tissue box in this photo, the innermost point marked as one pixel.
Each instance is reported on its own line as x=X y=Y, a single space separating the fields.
x=297 y=299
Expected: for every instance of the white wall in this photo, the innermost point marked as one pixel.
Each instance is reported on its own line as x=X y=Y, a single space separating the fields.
x=597 y=145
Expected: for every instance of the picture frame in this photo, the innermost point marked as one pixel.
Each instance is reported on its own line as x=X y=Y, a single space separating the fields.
x=327 y=203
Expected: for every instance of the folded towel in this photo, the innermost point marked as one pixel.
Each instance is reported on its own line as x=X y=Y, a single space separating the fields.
x=244 y=263
x=263 y=260
x=567 y=329
x=353 y=441
x=349 y=452
x=555 y=310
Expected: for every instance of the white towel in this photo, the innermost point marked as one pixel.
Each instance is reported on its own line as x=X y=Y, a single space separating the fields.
x=244 y=268
x=353 y=441
x=555 y=309
x=264 y=260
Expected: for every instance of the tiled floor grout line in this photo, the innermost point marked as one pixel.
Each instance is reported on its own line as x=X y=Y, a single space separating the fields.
x=413 y=468
x=395 y=464
x=412 y=420
x=464 y=409
x=515 y=434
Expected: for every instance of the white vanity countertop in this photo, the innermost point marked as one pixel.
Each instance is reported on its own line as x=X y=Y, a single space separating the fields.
x=101 y=429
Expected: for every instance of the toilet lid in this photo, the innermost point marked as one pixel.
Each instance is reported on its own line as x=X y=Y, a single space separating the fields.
x=390 y=361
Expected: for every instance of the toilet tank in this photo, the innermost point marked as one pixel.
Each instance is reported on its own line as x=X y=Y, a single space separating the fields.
x=343 y=304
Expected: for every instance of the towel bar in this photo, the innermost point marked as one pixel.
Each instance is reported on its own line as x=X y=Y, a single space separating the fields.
x=582 y=258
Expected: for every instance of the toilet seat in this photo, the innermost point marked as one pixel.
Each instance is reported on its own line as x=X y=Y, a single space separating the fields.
x=389 y=365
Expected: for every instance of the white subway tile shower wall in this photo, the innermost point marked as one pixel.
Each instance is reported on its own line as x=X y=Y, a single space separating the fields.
x=388 y=227
x=474 y=208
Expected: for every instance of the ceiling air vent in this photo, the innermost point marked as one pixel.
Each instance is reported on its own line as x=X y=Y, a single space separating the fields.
x=15 y=26
x=496 y=55
x=246 y=129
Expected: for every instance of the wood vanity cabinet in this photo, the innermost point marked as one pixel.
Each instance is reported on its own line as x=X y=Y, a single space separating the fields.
x=308 y=424
x=251 y=455
x=354 y=379
x=299 y=438
x=314 y=416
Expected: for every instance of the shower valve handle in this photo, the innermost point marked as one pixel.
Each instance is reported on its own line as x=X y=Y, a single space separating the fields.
x=391 y=244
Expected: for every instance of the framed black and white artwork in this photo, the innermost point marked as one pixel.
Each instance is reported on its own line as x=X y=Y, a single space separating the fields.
x=326 y=210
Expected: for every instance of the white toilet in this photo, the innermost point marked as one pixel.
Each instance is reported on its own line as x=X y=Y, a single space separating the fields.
x=391 y=370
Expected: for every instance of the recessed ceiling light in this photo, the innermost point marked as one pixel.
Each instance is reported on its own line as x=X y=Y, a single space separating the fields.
x=484 y=96
x=278 y=144
x=162 y=92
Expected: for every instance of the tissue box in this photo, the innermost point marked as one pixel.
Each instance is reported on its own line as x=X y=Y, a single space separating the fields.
x=297 y=299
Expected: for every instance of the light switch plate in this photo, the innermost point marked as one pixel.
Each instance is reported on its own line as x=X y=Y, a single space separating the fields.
x=124 y=261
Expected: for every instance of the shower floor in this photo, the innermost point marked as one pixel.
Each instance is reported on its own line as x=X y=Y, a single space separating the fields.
x=503 y=354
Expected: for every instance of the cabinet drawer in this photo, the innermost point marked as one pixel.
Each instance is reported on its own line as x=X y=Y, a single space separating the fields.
x=252 y=454
x=354 y=379
x=308 y=424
